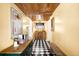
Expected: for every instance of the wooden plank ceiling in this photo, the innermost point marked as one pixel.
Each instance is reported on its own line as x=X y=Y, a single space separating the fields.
x=33 y=9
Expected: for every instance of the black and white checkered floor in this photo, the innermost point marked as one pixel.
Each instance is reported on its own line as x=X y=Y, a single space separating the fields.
x=41 y=48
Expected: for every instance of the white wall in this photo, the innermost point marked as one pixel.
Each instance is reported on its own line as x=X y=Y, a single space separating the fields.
x=49 y=32
x=66 y=36
x=30 y=29
x=5 y=34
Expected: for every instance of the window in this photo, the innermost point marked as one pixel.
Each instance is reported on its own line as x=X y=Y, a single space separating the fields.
x=39 y=25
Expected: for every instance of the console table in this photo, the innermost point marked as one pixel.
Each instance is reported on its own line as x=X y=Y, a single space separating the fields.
x=15 y=50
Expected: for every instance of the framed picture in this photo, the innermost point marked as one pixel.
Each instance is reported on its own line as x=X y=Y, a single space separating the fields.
x=16 y=22
x=52 y=24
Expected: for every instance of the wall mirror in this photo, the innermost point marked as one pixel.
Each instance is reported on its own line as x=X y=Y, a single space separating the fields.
x=16 y=23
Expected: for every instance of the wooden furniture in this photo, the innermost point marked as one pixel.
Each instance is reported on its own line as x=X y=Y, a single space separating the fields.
x=17 y=50
x=40 y=35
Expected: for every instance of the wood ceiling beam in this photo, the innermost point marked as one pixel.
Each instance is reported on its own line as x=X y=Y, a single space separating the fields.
x=33 y=9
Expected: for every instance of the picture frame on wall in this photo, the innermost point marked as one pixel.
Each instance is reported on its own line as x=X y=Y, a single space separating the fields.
x=16 y=22
x=52 y=24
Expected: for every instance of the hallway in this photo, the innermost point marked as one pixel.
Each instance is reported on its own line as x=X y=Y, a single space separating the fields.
x=39 y=29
